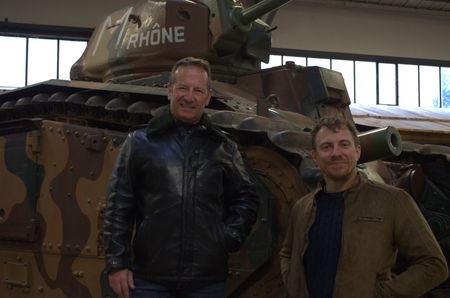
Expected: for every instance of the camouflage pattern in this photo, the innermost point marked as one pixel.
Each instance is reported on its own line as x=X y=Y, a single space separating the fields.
x=59 y=140
x=54 y=178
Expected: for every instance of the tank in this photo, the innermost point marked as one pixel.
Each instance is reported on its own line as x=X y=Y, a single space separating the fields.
x=59 y=140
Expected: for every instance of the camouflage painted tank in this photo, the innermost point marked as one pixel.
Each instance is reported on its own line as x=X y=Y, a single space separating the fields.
x=59 y=141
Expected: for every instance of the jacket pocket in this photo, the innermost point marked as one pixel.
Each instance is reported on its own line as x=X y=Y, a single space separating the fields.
x=142 y=244
x=226 y=240
x=373 y=219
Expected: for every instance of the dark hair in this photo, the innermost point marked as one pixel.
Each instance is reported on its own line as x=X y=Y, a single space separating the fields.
x=334 y=123
x=191 y=61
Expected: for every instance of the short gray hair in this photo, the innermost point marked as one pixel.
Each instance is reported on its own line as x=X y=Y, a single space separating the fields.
x=191 y=61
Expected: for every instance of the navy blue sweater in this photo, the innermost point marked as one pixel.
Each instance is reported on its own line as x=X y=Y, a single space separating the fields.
x=322 y=255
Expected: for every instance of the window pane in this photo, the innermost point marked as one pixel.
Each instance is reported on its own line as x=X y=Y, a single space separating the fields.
x=429 y=86
x=12 y=61
x=319 y=62
x=408 y=85
x=41 y=60
x=297 y=60
x=274 y=60
x=69 y=53
x=365 y=83
x=345 y=67
x=386 y=81
x=445 y=85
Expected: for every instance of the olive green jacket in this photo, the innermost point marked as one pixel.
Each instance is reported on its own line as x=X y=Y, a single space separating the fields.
x=379 y=222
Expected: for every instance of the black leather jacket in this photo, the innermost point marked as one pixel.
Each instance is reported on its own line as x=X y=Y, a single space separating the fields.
x=190 y=196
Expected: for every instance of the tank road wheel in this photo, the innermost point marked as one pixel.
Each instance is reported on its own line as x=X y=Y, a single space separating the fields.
x=280 y=187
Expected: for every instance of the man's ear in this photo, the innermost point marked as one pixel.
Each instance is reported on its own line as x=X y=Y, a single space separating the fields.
x=209 y=97
x=169 y=92
x=313 y=155
x=358 y=151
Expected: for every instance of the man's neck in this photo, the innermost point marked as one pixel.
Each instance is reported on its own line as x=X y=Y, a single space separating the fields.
x=332 y=185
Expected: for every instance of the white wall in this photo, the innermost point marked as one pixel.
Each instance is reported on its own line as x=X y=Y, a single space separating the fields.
x=306 y=26
x=333 y=28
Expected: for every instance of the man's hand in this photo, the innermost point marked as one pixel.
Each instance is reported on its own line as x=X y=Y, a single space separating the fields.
x=121 y=281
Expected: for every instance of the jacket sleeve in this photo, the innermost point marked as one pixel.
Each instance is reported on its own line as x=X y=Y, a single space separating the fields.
x=286 y=250
x=418 y=246
x=119 y=213
x=242 y=202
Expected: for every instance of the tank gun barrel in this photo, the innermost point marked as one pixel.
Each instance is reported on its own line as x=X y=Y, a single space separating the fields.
x=251 y=13
x=380 y=143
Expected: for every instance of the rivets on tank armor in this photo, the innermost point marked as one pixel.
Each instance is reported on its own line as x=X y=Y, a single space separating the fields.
x=59 y=245
x=104 y=139
x=67 y=132
x=71 y=168
x=41 y=289
x=69 y=195
x=50 y=129
x=77 y=133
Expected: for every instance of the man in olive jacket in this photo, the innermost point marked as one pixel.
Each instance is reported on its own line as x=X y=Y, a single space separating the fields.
x=343 y=238
x=184 y=186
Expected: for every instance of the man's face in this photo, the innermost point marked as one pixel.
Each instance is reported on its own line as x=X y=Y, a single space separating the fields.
x=336 y=154
x=189 y=94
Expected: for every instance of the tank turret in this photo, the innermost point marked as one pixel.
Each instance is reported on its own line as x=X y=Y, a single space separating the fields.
x=146 y=39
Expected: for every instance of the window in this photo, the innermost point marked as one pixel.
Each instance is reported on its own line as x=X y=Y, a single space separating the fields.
x=69 y=53
x=429 y=87
x=383 y=82
x=445 y=87
x=297 y=60
x=325 y=63
x=408 y=85
x=274 y=60
x=42 y=62
x=12 y=60
x=346 y=67
x=365 y=83
x=27 y=60
x=386 y=84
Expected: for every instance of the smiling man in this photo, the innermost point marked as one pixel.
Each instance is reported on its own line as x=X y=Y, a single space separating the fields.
x=184 y=188
x=344 y=237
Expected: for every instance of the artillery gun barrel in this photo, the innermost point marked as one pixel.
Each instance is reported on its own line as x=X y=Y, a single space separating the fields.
x=259 y=9
x=380 y=143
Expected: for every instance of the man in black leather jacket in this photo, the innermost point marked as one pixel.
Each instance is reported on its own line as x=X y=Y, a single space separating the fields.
x=182 y=184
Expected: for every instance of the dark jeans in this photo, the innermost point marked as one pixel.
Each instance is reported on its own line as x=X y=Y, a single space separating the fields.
x=175 y=289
